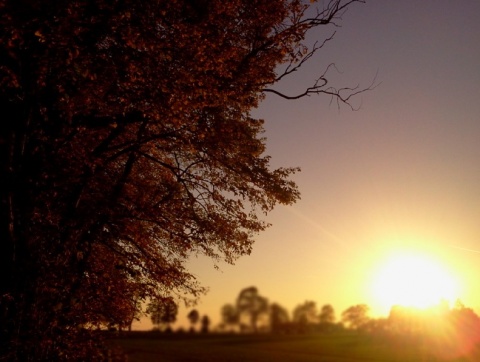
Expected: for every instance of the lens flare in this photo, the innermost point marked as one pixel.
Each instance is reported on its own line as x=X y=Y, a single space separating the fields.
x=414 y=281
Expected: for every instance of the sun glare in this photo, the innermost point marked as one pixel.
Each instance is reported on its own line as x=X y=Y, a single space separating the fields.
x=413 y=281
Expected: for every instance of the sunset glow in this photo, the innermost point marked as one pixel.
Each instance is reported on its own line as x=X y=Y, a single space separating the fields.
x=389 y=193
x=414 y=281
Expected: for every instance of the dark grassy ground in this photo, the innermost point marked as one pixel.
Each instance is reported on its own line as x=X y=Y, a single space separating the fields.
x=340 y=347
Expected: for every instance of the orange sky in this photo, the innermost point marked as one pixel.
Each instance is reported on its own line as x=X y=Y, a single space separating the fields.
x=400 y=174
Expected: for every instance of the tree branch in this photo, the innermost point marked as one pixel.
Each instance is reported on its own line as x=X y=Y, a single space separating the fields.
x=293 y=67
x=342 y=95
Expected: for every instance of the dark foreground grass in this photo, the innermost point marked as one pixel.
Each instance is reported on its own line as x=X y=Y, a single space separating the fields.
x=340 y=347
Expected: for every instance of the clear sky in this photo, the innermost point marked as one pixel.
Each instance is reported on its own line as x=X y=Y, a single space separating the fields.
x=401 y=175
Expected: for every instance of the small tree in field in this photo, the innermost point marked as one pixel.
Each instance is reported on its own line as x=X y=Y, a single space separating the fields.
x=252 y=305
x=356 y=316
x=305 y=315
x=327 y=314
x=205 y=321
x=193 y=317
x=278 y=318
x=163 y=313
x=230 y=315
x=326 y=318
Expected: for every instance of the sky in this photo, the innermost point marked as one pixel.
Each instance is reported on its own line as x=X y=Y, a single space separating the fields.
x=398 y=176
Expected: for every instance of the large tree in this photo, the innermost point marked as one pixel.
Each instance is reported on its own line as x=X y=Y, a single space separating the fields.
x=127 y=145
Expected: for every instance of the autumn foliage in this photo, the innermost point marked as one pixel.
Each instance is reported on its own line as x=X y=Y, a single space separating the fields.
x=126 y=146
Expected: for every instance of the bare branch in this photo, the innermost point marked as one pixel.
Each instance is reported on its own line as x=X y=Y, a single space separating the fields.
x=300 y=24
x=293 y=67
x=334 y=10
x=341 y=95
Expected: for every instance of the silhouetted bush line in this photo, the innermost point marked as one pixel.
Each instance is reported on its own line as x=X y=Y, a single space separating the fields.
x=453 y=331
x=439 y=333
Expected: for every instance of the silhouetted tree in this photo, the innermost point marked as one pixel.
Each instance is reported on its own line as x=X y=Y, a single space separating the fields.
x=305 y=315
x=230 y=315
x=136 y=313
x=453 y=333
x=205 y=321
x=278 y=318
x=193 y=317
x=251 y=304
x=162 y=312
x=465 y=324
x=326 y=319
x=126 y=145
x=356 y=316
x=405 y=320
x=327 y=314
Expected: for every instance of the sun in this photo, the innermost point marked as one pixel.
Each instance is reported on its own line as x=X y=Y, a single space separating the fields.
x=413 y=280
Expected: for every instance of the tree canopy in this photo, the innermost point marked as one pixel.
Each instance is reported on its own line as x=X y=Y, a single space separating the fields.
x=127 y=145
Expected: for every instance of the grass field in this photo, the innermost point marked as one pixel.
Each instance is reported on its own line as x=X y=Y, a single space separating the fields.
x=342 y=347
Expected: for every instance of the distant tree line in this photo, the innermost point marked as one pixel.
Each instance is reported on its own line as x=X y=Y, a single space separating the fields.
x=252 y=312
x=455 y=327
x=447 y=332
x=452 y=330
x=163 y=312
